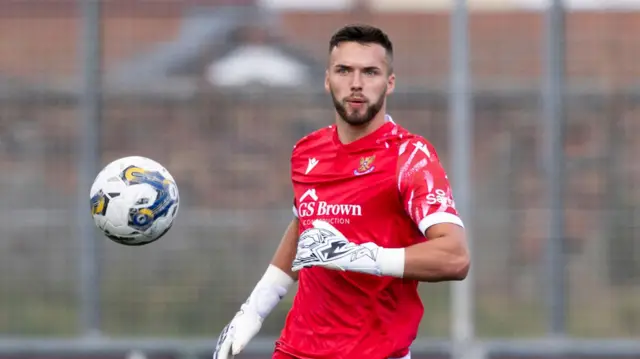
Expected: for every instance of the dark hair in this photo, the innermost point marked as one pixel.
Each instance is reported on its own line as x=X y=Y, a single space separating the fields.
x=363 y=34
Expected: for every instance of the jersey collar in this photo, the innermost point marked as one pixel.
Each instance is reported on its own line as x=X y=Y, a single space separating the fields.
x=367 y=141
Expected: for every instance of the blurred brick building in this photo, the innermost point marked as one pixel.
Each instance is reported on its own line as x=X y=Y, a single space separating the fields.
x=39 y=39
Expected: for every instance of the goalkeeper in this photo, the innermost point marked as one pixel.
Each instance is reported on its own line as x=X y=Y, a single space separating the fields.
x=374 y=217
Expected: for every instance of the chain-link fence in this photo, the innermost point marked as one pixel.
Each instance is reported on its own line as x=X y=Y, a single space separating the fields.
x=229 y=152
x=230 y=158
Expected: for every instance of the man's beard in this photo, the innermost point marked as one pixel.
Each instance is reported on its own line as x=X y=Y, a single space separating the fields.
x=356 y=118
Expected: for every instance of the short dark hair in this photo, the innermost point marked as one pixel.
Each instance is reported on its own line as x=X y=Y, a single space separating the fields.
x=363 y=34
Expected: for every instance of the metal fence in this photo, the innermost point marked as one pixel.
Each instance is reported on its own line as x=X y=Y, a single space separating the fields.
x=229 y=152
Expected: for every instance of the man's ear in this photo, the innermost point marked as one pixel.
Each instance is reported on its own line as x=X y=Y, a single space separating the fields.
x=391 y=83
x=327 y=88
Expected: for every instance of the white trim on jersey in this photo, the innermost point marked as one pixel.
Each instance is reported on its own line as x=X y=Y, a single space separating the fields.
x=388 y=118
x=295 y=211
x=437 y=218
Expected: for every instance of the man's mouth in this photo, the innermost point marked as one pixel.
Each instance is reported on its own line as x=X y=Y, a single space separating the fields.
x=356 y=103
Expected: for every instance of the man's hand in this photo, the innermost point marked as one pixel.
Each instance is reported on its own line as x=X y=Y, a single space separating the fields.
x=325 y=246
x=237 y=334
x=248 y=321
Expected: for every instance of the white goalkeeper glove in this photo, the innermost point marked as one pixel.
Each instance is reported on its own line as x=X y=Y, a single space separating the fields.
x=325 y=246
x=248 y=320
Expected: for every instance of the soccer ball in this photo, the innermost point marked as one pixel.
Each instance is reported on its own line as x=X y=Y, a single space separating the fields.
x=134 y=200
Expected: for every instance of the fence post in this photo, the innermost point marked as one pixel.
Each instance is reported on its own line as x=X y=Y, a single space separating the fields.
x=553 y=155
x=90 y=111
x=460 y=149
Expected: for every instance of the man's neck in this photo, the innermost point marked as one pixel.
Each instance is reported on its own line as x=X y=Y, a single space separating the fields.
x=348 y=133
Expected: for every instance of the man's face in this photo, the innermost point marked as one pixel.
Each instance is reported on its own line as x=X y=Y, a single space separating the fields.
x=359 y=80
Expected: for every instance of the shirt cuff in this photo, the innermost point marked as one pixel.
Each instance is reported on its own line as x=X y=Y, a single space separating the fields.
x=437 y=218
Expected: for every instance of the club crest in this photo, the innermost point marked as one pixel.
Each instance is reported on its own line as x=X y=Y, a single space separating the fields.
x=366 y=166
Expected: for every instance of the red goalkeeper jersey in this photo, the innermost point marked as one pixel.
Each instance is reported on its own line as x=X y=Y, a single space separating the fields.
x=386 y=188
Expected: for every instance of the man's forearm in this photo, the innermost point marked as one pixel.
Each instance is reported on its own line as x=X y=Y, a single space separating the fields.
x=437 y=260
x=287 y=248
x=443 y=257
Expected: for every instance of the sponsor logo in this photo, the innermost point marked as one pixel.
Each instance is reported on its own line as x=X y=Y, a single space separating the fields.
x=440 y=197
x=311 y=207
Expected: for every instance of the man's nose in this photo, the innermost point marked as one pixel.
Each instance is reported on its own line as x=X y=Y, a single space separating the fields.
x=356 y=82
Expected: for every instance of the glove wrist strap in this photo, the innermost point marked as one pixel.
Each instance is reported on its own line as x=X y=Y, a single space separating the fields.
x=391 y=262
x=273 y=285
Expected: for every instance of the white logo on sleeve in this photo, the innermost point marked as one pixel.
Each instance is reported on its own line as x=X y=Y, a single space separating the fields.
x=422 y=147
x=312 y=163
x=440 y=197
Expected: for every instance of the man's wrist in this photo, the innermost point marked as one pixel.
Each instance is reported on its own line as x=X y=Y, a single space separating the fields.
x=391 y=261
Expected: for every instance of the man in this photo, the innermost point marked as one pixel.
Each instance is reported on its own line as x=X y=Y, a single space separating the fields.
x=374 y=216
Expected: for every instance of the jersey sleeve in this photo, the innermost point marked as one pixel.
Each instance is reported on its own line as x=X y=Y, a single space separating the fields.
x=424 y=186
x=295 y=208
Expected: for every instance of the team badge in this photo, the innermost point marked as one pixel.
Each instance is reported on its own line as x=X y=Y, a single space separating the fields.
x=366 y=166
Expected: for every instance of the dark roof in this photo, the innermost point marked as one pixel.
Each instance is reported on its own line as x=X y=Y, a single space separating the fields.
x=205 y=35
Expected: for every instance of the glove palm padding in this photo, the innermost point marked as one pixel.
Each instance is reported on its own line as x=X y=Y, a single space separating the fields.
x=237 y=334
